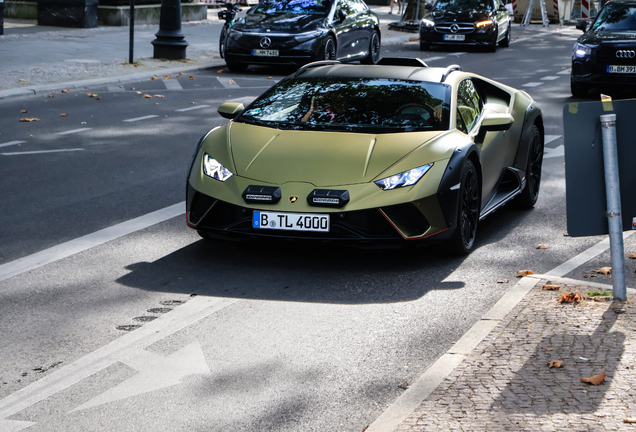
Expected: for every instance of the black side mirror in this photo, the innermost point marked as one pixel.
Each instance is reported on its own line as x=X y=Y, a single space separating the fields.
x=582 y=25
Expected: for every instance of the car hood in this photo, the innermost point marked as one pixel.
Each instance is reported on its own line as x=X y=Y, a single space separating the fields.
x=320 y=158
x=596 y=38
x=462 y=16
x=289 y=23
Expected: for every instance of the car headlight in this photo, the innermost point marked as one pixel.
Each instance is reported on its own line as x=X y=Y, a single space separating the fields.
x=304 y=37
x=484 y=24
x=407 y=178
x=427 y=23
x=581 y=50
x=212 y=168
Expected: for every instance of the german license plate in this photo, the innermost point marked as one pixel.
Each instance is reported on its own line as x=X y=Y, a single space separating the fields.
x=291 y=221
x=621 y=69
x=265 y=53
x=450 y=37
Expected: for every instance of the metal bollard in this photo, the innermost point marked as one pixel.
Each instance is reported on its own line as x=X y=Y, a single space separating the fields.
x=613 y=193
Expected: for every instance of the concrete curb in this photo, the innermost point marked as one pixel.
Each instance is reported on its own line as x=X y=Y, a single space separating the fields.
x=99 y=81
x=444 y=366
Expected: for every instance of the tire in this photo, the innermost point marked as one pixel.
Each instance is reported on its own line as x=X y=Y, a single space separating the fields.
x=236 y=67
x=467 y=210
x=329 y=51
x=424 y=46
x=222 y=41
x=505 y=42
x=578 y=90
x=530 y=193
x=374 y=50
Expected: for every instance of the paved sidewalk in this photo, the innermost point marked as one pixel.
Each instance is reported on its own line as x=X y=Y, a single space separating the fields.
x=505 y=383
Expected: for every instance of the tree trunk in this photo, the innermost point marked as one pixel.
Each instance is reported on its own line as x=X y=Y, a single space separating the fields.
x=412 y=13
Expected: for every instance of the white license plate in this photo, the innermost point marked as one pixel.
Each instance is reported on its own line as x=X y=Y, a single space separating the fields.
x=454 y=37
x=621 y=69
x=291 y=221
x=265 y=53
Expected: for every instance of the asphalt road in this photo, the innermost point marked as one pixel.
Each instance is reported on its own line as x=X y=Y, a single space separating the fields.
x=231 y=336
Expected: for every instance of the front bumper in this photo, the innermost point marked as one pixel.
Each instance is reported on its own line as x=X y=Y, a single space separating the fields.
x=241 y=50
x=436 y=35
x=592 y=70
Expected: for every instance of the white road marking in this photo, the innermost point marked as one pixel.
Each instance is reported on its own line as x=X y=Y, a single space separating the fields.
x=564 y=72
x=549 y=138
x=172 y=84
x=122 y=349
x=529 y=37
x=97 y=238
x=73 y=131
x=433 y=59
x=550 y=78
x=555 y=152
x=10 y=143
x=192 y=108
x=225 y=82
x=141 y=118
x=459 y=53
x=41 y=151
x=532 y=84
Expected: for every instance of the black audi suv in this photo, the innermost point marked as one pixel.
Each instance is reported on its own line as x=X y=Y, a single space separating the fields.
x=605 y=55
x=466 y=22
x=296 y=32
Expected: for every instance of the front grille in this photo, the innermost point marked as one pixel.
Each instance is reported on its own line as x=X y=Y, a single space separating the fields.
x=408 y=219
x=463 y=28
x=608 y=56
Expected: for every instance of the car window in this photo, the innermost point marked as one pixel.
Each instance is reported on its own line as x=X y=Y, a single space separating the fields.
x=347 y=7
x=462 y=5
x=359 y=6
x=469 y=105
x=615 y=17
x=305 y=7
x=368 y=105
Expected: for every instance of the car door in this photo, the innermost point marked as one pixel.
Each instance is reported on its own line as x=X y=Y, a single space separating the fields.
x=470 y=110
x=502 y=18
x=345 y=26
x=365 y=26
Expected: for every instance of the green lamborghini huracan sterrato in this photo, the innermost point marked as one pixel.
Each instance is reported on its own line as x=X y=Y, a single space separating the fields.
x=369 y=154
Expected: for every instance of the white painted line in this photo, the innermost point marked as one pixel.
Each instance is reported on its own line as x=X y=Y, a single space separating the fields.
x=564 y=72
x=550 y=78
x=549 y=138
x=141 y=118
x=459 y=53
x=120 y=349
x=549 y=153
x=532 y=84
x=433 y=58
x=192 y=108
x=41 y=151
x=73 y=131
x=97 y=238
x=115 y=89
x=584 y=257
x=172 y=84
x=10 y=143
x=225 y=82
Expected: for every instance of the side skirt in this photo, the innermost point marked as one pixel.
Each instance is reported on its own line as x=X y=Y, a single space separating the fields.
x=511 y=185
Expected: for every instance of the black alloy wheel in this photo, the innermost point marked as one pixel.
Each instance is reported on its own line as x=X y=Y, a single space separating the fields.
x=374 y=50
x=468 y=209
x=528 y=197
x=330 y=49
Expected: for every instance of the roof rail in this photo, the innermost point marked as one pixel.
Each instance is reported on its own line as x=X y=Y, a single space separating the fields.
x=315 y=64
x=402 y=61
x=448 y=71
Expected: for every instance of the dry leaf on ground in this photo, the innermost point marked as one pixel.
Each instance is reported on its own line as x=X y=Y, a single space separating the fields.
x=23 y=111
x=502 y=281
x=542 y=246
x=596 y=379
x=193 y=103
x=51 y=95
x=524 y=273
x=632 y=255
x=232 y=82
x=570 y=297
x=167 y=76
x=64 y=115
x=65 y=91
x=29 y=119
x=159 y=96
x=154 y=78
x=548 y=348
x=629 y=420
x=604 y=270
x=404 y=385
x=191 y=77
x=271 y=78
x=219 y=71
x=147 y=96
x=91 y=94
x=551 y=287
x=555 y=363
x=179 y=74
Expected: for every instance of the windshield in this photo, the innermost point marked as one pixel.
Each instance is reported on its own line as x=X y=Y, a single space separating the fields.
x=366 y=105
x=616 y=18
x=300 y=7
x=462 y=5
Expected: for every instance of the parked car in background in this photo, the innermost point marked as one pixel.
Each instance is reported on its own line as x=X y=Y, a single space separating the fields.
x=371 y=155
x=296 y=32
x=484 y=23
x=605 y=55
